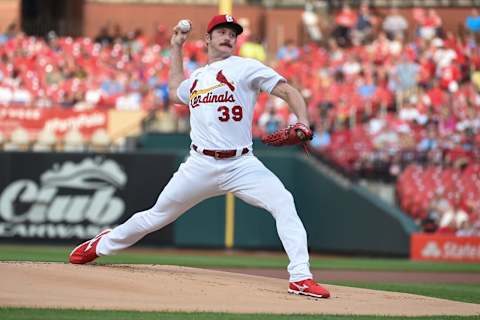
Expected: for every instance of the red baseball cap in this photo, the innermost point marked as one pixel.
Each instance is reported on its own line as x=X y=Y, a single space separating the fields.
x=227 y=20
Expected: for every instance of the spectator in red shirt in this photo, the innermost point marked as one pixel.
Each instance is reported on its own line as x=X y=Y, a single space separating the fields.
x=429 y=23
x=345 y=21
x=436 y=98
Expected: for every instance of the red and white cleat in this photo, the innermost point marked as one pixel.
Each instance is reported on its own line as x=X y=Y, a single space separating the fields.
x=87 y=251
x=308 y=287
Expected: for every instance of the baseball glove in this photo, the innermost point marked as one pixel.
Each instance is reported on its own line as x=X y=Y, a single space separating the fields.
x=291 y=135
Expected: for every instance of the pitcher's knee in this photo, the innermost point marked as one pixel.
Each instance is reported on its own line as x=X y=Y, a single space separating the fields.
x=147 y=221
x=283 y=201
x=157 y=219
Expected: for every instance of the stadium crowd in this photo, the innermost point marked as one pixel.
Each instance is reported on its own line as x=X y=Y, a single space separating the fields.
x=382 y=100
x=122 y=72
x=380 y=97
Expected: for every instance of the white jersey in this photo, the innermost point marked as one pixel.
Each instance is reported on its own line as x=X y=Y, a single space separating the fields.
x=221 y=97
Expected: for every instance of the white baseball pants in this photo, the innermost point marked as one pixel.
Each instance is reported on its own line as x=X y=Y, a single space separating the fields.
x=202 y=177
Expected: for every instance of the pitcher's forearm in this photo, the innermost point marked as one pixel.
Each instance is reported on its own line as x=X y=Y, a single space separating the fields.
x=294 y=100
x=176 y=74
x=297 y=105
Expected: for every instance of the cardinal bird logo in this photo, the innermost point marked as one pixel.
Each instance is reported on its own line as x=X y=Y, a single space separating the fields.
x=221 y=78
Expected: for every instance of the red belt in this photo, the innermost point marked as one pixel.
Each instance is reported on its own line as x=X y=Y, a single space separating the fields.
x=220 y=154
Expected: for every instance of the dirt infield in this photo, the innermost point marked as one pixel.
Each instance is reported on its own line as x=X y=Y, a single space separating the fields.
x=173 y=288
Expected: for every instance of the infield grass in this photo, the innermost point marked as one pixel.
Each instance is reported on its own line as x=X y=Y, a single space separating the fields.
x=55 y=314
x=451 y=291
x=233 y=260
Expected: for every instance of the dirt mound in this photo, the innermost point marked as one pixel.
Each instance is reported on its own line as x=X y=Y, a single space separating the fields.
x=173 y=288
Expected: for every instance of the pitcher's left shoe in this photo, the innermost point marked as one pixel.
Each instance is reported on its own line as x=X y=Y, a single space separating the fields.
x=87 y=251
x=308 y=287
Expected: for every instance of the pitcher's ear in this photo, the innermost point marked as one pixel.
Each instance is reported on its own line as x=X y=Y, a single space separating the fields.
x=208 y=38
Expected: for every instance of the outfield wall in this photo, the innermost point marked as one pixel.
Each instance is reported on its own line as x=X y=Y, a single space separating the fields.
x=65 y=197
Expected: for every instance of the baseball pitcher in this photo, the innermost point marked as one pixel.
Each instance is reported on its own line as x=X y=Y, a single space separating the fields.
x=221 y=97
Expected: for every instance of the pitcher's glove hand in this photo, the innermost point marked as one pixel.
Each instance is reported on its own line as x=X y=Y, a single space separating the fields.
x=291 y=135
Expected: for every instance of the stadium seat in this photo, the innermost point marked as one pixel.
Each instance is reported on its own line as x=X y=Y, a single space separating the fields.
x=19 y=141
x=73 y=141
x=46 y=141
x=100 y=141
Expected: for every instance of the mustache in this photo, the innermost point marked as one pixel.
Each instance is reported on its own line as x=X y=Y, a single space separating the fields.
x=228 y=44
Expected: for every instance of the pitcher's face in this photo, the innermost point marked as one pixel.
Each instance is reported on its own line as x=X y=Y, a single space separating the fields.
x=222 y=40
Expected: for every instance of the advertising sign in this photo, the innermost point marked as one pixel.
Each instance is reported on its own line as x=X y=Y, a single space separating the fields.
x=438 y=247
x=55 y=119
x=75 y=196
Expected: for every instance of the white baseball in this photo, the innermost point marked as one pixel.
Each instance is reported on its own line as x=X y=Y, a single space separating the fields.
x=184 y=25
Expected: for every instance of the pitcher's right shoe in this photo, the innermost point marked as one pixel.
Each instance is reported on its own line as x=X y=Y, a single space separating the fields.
x=308 y=287
x=87 y=251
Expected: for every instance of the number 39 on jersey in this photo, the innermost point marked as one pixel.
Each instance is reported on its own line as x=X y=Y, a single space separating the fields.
x=234 y=113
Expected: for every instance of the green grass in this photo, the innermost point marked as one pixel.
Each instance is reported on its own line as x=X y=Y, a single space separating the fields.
x=451 y=291
x=53 y=314
x=60 y=254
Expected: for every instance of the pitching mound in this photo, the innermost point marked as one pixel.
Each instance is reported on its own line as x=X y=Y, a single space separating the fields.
x=173 y=288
